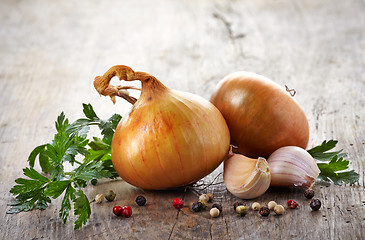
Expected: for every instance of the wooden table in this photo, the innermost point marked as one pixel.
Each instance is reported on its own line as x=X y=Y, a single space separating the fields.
x=50 y=52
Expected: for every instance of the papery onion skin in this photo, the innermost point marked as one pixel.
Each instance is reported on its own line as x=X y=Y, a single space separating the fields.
x=169 y=139
x=261 y=116
x=292 y=166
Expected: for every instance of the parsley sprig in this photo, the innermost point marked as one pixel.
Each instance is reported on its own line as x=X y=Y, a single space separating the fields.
x=332 y=165
x=70 y=141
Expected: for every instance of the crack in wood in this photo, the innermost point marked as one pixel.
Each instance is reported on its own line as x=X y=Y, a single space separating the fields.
x=228 y=26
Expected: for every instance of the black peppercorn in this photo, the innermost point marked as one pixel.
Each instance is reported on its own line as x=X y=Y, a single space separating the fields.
x=94 y=181
x=140 y=200
x=236 y=204
x=309 y=193
x=197 y=206
x=218 y=206
x=315 y=204
x=264 y=211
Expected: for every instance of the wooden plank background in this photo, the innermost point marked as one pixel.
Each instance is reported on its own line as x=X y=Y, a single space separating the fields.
x=50 y=52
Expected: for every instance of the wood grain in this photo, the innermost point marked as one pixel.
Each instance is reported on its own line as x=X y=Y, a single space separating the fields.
x=51 y=51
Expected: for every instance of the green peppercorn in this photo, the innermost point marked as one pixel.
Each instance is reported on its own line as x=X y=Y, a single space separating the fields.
x=236 y=204
x=110 y=195
x=241 y=210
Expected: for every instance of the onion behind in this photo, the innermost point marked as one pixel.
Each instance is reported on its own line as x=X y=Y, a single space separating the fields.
x=261 y=116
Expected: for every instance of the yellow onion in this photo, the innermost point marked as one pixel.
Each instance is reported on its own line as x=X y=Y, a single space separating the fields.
x=169 y=139
x=246 y=177
x=260 y=115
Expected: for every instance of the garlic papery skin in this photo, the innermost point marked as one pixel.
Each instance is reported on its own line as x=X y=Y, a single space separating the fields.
x=245 y=177
x=292 y=166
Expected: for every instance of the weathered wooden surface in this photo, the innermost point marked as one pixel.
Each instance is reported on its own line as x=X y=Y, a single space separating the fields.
x=50 y=52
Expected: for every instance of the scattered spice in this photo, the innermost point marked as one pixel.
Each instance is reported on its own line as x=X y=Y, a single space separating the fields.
x=99 y=198
x=256 y=206
x=218 y=206
x=309 y=193
x=110 y=195
x=178 y=203
x=241 y=210
x=127 y=211
x=264 y=211
x=211 y=196
x=214 y=212
x=117 y=210
x=292 y=204
x=315 y=204
x=141 y=201
x=271 y=205
x=197 y=206
x=236 y=204
x=279 y=209
x=204 y=198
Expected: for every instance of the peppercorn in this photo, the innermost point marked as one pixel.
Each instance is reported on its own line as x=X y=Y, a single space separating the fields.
x=127 y=211
x=178 y=203
x=236 y=204
x=99 y=198
x=94 y=181
x=271 y=205
x=264 y=211
x=315 y=204
x=140 y=200
x=214 y=212
x=309 y=193
x=197 y=206
x=203 y=198
x=117 y=210
x=211 y=196
x=110 y=195
x=241 y=210
x=292 y=204
x=279 y=209
x=204 y=203
x=218 y=206
x=255 y=206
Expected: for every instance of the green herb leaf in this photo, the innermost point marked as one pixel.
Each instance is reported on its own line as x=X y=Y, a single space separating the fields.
x=321 y=152
x=82 y=209
x=55 y=189
x=69 y=142
x=66 y=203
x=332 y=165
x=333 y=171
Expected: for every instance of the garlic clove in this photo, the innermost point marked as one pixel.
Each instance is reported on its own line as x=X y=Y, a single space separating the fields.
x=292 y=166
x=246 y=177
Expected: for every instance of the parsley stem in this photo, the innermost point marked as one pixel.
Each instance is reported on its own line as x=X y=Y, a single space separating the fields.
x=69 y=173
x=77 y=162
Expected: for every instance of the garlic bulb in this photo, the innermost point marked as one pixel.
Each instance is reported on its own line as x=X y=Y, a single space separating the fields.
x=246 y=177
x=292 y=166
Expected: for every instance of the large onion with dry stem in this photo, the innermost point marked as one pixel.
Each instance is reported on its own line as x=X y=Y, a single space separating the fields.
x=260 y=115
x=169 y=139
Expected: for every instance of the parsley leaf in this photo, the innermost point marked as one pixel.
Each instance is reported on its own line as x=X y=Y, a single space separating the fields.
x=332 y=165
x=321 y=152
x=69 y=142
x=29 y=192
x=82 y=208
